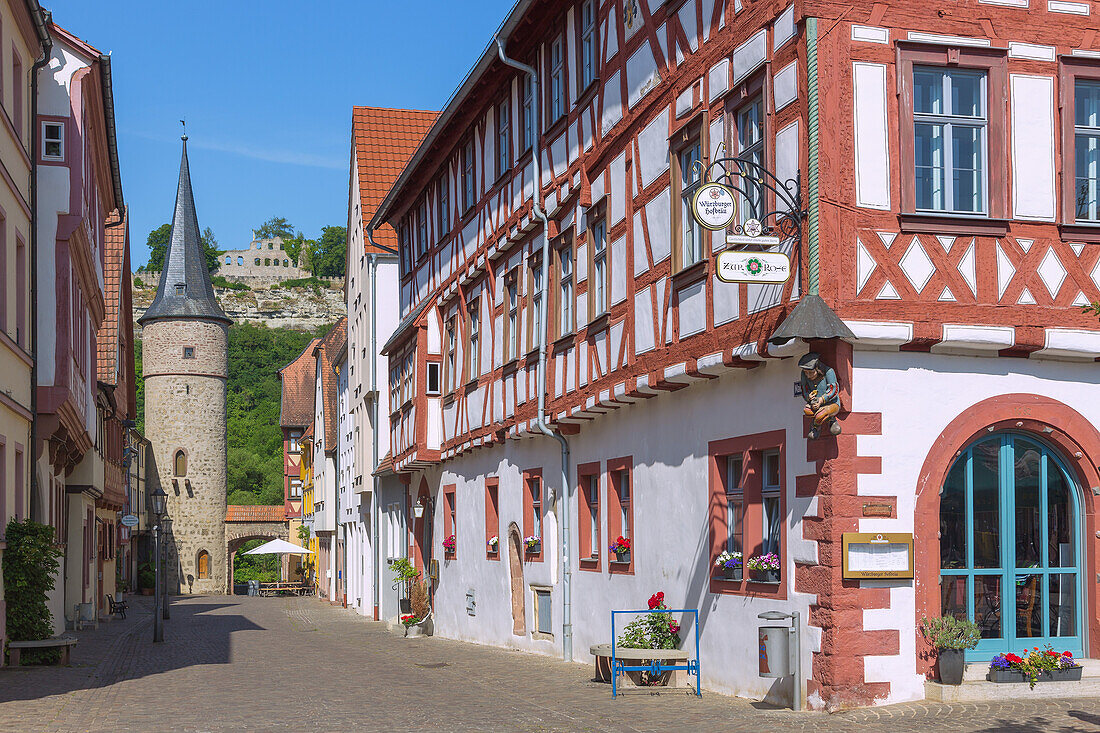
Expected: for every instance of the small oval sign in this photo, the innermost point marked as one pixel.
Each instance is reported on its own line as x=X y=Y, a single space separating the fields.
x=129 y=520
x=714 y=206
x=753 y=267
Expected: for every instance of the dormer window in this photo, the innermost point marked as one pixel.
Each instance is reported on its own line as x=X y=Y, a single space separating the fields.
x=180 y=289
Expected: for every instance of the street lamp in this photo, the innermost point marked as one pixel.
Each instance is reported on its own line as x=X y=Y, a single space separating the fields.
x=166 y=523
x=159 y=499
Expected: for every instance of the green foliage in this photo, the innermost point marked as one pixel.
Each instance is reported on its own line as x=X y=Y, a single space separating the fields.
x=139 y=283
x=948 y=632
x=30 y=567
x=303 y=534
x=264 y=568
x=652 y=630
x=158 y=247
x=304 y=282
x=219 y=281
x=276 y=226
x=255 y=439
x=147 y=576
x=403 y=570
x=328 y=256
x=140 y=386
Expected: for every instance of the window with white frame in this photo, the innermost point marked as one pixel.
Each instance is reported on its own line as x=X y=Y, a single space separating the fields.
x=1086 y=141
x=295 y=442
x=432 y=378
x=528 y=119
x=444 y=212
x=624 y=503
x=543 y=615
x=592 y=497
x=451 y=348
x=770 y=504
x=422 y=228
x=468 y=182
x=750 y=146
x=473 y=316
x=950 y=124
x=511 y=292
x=535 y=487
x=599 y=279
x=504 y=137
x=735 y=502
x=295 y=488
x=565 y=289
x=535 y=316
x=588 y=44
x=557 y=80
x=691 y=233
x=53 y=141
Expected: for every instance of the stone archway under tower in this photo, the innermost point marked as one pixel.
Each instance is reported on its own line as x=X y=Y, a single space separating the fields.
x=245 y=523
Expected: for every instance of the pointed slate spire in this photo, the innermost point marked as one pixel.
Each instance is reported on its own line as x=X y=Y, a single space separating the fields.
x=185 y=290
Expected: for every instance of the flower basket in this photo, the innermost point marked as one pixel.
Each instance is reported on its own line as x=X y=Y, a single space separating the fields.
x=532 y=545
x=765 y=576
x=1073 y=674
x=621 y=550
x=765 y=568
x=736 y=573
x=1037 y=665
x=729 y=565
x=492 y=544
x=622 y=557
x=450 y=545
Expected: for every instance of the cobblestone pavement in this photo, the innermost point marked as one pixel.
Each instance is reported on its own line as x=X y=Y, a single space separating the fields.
x=295 y=664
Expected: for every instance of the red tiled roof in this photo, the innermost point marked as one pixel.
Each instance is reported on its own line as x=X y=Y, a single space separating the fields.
x=331 y=344
x=296 y=408
x=261 y=513
x=384 y=140
x=116 y=334
x=385 y=466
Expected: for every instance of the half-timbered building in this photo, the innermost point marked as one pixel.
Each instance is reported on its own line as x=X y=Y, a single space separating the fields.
x=942 y=159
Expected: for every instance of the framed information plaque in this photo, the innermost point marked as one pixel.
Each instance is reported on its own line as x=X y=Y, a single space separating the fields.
x=878 y=555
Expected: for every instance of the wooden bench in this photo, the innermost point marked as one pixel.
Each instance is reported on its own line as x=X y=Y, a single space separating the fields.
x=65 y=642
x=634 y=657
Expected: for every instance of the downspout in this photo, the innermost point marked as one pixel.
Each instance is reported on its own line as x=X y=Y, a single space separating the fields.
x=812 y=127
x=40 y=19
x=376 y=526
x=541 y=422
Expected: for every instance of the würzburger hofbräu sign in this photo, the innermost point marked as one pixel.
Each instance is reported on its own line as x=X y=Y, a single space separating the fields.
x=714 y=206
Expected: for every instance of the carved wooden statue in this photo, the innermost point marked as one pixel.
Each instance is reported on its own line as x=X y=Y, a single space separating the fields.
x=822 y=394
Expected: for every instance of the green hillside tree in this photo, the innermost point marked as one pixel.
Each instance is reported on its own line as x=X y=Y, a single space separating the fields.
x=157 y=242
x=328 y=256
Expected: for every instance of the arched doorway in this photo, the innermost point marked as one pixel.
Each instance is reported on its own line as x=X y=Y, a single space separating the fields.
x=515 y=571
x=1011 y=545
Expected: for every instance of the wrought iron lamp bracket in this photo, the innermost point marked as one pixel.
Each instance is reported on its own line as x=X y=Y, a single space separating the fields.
x=749 y=179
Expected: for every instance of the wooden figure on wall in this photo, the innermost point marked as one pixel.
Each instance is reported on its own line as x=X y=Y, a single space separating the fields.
x=822 y=394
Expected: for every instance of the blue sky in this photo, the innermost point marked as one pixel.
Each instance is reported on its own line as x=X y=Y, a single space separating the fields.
x=267 y=91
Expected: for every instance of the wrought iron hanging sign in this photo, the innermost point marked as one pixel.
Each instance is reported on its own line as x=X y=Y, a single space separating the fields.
x=714 y=206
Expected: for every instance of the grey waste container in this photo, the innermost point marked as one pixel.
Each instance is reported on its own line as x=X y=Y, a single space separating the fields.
x=775 y=657
x=253 y=587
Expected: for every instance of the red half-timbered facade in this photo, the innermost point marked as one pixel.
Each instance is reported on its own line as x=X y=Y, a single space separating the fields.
x=949 y=170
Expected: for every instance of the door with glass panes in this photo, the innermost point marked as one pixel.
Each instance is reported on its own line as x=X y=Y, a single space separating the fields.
x=1010 y=546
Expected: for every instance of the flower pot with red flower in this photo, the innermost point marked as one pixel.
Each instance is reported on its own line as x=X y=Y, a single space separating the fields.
x=1037 y=665
x=621 y=548
x=414 y=626
x=450 y=545
x=951 y=637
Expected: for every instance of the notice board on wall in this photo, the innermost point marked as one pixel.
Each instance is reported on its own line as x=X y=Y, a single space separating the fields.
x=878 y=555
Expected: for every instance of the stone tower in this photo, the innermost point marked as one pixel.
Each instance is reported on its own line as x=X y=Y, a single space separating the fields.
x=185 y=365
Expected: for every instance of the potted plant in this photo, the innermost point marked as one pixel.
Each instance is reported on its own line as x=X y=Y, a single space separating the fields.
x=532 y=544
x=450 y=545
x=765 y=567
x=493 y=543
x=652 y=631
x=147 y=579
x=621 y=548
x=729 y=565
x=404 y=572
x=951 y=637
x=415 y=622
x=1037 y=664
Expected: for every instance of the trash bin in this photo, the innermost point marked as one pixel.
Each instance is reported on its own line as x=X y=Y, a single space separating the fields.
x=775 y=657
x=253 y=588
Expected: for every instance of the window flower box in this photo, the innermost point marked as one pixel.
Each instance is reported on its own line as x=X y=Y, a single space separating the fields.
x=492 y=544
x=532 y=545
x=729 y=566
x=1038 y=665
x=621 y=550
x=765 y=568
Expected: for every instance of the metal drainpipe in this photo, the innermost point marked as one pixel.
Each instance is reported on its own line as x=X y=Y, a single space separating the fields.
x=47 y=49
x=375 y=506
x=543 y=425
x=812 y=127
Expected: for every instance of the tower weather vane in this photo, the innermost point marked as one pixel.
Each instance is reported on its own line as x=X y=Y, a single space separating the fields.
x=184 y=123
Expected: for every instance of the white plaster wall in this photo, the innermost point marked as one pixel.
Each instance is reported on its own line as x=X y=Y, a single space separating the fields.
x=918 y=395
x=670 y=480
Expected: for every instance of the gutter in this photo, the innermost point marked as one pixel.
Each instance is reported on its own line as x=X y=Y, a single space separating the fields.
x=109 y=123
x=40 y=18
x=376 y=525
x=541 y=422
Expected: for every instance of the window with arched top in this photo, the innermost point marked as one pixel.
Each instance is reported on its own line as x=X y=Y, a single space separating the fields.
x=228 y=260
x=181 y=463
x=240 y=261
x=202 y=565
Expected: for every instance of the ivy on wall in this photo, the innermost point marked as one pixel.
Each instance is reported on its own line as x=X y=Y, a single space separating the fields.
x=30 y=566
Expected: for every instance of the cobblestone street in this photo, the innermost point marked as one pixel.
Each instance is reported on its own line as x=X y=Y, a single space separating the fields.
x=297 y=664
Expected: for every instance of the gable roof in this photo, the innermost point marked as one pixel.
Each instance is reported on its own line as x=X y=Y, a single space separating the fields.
x=384 y=140
x=325 y=352
x=296 y=404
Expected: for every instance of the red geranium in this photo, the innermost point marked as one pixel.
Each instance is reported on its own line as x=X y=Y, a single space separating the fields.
x=1013 y=659
x=673 y=627
x=656 y=600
